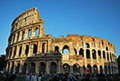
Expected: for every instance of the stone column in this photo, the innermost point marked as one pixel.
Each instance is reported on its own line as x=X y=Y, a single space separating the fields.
x=23 y=50
x=107 y=70
x=39 y=47
x=33 y=32
x=82 y=70
x=103 y=69
x=7 y=67
x=97 y=57
x=92 y=69
x=49 y=48
x=102 y=55
x=85 y=59
x=14 y=67
x=42 y=32
x=45 y=47
x=13 y=48
x=20 y=68
x=17 y=52
x=10 y=67
x=26 y=34
x=20 y=36
x=98 y=69
x=15 y=38
x=91 y=58
x=12 y=41
x=37 y=67
x=71 y=49
x=59 y=67
x=71 y=69
x=28 y=67
x=47 y=67
x=30 y=50
x=117 y=69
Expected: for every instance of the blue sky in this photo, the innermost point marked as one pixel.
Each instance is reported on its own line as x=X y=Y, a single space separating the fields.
x=99 y=18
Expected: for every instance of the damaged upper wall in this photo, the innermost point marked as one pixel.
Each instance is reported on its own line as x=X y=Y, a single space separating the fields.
x=28 y=17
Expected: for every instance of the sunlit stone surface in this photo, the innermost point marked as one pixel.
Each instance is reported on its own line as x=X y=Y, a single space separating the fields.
x=30 y=50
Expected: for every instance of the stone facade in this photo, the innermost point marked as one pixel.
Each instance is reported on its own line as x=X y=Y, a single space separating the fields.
x=30 y=50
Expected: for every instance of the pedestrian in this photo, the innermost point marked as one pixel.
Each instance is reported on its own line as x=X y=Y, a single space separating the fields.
x=28 y=77
x=34 y=77
x=39 y=77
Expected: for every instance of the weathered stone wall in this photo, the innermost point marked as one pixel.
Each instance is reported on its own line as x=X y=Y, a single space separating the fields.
x=28 y=43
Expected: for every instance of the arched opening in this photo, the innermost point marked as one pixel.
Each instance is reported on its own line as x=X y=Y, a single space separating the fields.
x=66 y=68
x=89 y=68
x=27 y=50
x=35 y=47
x=102 y=43
x=13 y=40
x=104 y=55
x=81 y=52
x=10 y=55
x=99 y=54
x=65 y=50
x=24 y=68
x=108 y=56
x=76 y=68
x=112 y=68
x=37 y=32
x=109 y=69
x=95 y=69
x=106 y=48
x=20 y=50
x=53 y=68
x=57 y=49
x=29 y=33
x=88 y=54
x=94 y=54
x=105 y=69
x=87 y=45
x=43 y=47
x=93 y=39
x=17 y=68
x=12 y=68
x=75 y=51
x=101 y=70
x=32 y=68
x=84 y=69
x=8 y=63
x=15 y=49
x=23 y=33
x=42 y=69
x=18 y=34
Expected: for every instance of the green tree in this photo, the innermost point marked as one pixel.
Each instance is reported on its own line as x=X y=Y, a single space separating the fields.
x=2 y=62
x=118 y=60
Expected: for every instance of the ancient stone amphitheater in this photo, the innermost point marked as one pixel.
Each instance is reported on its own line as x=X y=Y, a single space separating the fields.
x=30 y=50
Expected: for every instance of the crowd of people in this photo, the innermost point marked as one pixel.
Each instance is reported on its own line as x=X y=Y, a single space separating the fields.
x=57 y=77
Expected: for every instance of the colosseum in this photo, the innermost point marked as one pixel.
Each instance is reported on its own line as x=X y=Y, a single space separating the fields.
x=31 y=50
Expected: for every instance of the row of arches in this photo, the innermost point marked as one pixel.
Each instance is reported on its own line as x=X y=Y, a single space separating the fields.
x=42 y=68
x=65 y=50
x=53 y=68
x=21 y=35
x=31 y=68
x=88 y=52
x=26 y=49
x=36 y=32
x=89 y=69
